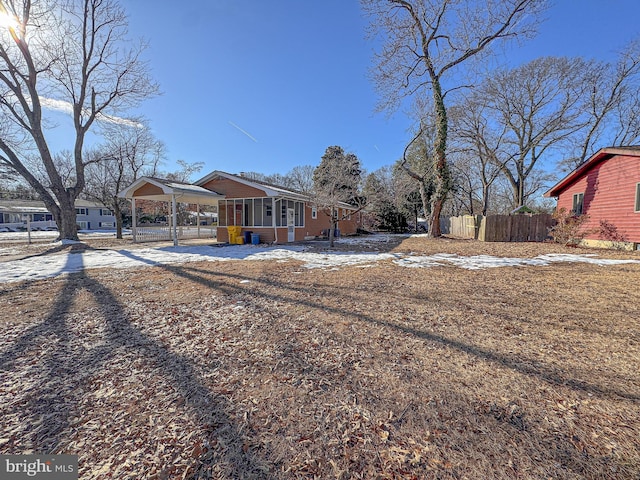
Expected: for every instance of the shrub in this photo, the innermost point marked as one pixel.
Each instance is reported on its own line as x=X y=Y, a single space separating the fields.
x=570 y=229
x=609 y=232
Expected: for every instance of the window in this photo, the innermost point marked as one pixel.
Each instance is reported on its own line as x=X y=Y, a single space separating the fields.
x=239 y=217
x=257 y=212
x=637 y=197
x=299 y=214
x=222 y=213
x=283 y=213
x=314 y=212
x=83 y=225
x=248 y=212
x=281 y=209
x=105 y=212
x=106 y=224
x=230 y=220
x=81 y=211
x=578 y=201
x=267 y=218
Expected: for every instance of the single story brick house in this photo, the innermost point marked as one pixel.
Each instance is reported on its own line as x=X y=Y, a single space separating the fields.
x=276 y=214
x=607 y=188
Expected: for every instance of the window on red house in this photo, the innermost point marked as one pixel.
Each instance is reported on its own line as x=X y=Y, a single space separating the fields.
x=578 y=201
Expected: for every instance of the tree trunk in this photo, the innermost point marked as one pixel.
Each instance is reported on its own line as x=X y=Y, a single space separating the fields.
x=332 y=229
x=519 y=191
x=485 y=199
x=67 y=226
x=442 y=175
x=117 y=212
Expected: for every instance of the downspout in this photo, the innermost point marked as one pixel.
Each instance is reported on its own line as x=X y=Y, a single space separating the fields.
x=198 y=218
x=174 y=218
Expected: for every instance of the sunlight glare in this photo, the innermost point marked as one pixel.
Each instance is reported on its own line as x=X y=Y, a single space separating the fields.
x=7 y=20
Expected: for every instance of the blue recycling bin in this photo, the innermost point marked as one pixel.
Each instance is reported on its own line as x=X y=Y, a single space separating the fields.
x=247 y=237
x=255 y=239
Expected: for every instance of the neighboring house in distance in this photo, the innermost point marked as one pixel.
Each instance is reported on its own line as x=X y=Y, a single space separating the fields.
x=14 y=213
x=277 y=214
x=607 y=188
x=89 y=215
x=94 y=216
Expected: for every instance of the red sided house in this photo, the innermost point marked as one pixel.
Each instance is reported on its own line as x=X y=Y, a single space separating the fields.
x=607 y=188
x=275 y=214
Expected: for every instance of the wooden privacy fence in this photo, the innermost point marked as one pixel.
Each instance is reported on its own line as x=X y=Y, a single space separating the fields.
x=501 y=228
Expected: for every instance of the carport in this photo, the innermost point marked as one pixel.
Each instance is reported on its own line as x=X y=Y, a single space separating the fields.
x=172 y=192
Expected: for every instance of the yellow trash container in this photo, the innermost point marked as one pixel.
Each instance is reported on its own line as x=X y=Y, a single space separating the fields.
x=235 y=234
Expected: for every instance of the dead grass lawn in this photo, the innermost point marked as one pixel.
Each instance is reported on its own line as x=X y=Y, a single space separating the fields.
x=234 y=370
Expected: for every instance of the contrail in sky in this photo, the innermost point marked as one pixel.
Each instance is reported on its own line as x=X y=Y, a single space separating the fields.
x=243 y=131
x=376 y=147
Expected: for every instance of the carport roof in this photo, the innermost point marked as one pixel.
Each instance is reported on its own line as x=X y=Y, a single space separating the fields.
x=160 y=189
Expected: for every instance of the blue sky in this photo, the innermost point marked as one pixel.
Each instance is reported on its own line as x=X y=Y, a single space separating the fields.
x=257 y=85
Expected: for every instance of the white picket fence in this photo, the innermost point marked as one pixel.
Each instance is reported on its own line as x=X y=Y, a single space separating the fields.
x=164 y=233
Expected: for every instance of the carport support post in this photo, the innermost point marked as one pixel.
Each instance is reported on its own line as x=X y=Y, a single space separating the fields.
x=198 y=218
x=29 y=228
x=174 y=218
x=133 y=220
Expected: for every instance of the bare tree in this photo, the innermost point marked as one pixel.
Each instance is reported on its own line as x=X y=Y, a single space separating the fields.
x=416 y=165
x=300 y=178
x=69 y=54
x=627 y=120
x=337 y=184
x=532 y=109
x=184 y=174
x=612 y=105
x=477 y=147
x=128 y=153
x=425 y=43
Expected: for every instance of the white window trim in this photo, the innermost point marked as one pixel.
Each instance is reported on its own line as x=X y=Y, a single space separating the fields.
x=637 y=204
x=314 y=213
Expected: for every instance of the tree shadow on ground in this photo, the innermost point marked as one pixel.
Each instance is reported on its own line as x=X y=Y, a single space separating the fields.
x=530 y=367
x=60 y=374
x=568 y=457
x=120 y=332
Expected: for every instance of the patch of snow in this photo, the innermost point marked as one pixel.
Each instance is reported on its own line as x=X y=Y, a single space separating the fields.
x=45 y=266
x=65 y=241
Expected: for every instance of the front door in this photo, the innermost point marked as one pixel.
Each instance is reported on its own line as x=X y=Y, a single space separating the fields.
x=291 y=222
